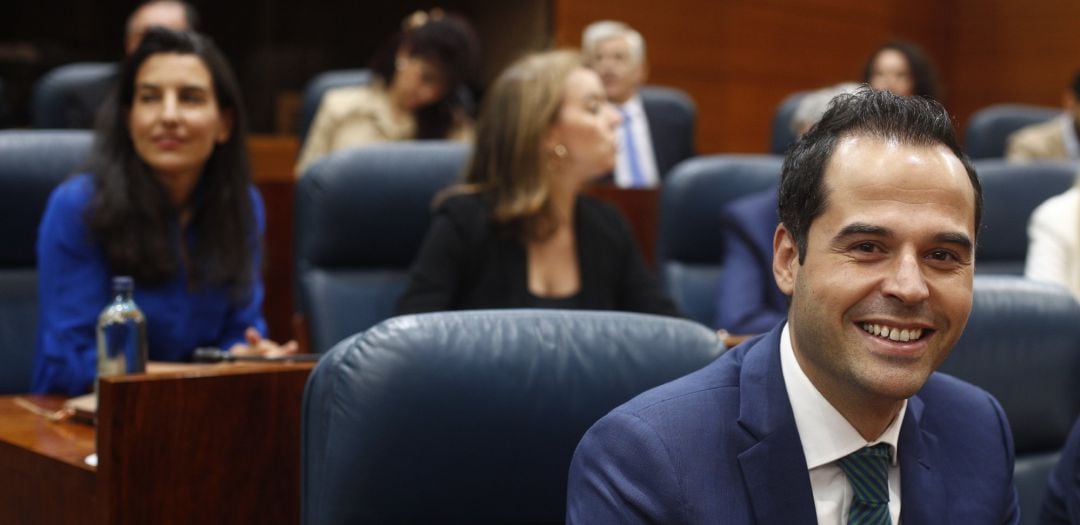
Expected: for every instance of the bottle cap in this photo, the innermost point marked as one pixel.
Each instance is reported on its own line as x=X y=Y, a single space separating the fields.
x=123 y=284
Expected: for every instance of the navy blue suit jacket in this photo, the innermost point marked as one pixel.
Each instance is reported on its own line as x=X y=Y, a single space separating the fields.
x=748 y=300
x=671 y=129
x=1062 y=502
x=720 y=446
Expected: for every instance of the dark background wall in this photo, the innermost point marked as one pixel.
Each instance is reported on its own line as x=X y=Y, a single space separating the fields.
x=274 y=45
x=737 y=58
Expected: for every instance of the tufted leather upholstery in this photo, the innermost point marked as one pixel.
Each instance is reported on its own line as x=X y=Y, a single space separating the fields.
x=472 y=417
x=360 y=217
x=318 y=86
x=69 y=96
x=1010 y=193
x=990 y=127
x=782 y=135
x=1022 y=344
x=691 y=202
x=32 y=163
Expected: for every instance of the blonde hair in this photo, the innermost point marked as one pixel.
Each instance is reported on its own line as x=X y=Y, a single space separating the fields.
x=509 y=163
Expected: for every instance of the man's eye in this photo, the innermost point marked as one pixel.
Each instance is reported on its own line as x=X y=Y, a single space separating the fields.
x=942 y=255
x=867 y=247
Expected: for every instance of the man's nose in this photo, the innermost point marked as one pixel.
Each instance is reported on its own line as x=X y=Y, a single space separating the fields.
x=906 y=281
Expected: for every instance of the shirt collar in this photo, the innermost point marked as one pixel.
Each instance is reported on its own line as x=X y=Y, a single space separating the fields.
x=825 y=435
x=633 y=106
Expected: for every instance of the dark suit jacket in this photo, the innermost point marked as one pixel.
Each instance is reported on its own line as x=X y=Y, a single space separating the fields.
x=466 y=262
x=748 y=300
x=1062 y=502
x=671 y=126
x=720 y=446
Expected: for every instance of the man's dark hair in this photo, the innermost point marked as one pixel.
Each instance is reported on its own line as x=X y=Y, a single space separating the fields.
x=916 y=121
x=923 y=74
x=1076 y=84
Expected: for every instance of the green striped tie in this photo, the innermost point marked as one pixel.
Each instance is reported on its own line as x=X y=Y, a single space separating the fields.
x=867 y=470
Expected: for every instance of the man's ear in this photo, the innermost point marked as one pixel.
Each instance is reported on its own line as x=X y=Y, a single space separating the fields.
x=785 y=265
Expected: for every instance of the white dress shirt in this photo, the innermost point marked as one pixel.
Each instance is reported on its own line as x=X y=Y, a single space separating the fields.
x=827 y=437
x=1053 y=253
x=638 y=125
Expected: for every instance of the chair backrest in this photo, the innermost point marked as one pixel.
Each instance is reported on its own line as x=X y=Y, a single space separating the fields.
x=318 y=86
x=672 y=120
x=472 y=417
x=1010 y=193
x=1022 y=344
x=990 y=127
x=69 y=96
x=361 y=215
x=32 y=163
x=782 y=134
x=691 y=203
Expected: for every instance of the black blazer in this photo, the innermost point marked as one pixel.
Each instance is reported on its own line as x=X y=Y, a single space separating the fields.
x=671 y=117
x=467 y=262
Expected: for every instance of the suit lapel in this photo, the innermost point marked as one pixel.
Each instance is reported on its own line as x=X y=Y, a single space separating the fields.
x=922 y=487
x=659 y=141
x=774 y=466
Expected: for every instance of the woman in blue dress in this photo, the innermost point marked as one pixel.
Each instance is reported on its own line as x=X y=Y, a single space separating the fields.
x=167 y=200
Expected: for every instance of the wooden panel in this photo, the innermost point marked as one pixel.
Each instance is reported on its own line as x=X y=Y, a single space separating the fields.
x=43 y=478
x=739 y=58
x=272 y=161
x=214 y=444
x=1007 y=51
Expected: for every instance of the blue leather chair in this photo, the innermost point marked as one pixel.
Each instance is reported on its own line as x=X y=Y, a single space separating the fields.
x=782 y=135
x=990 y=127
x=472 y=417
x=69 y=96
x=1010 y=193
x=691 y=200
x=1022 y=344
x=672 y=120
x=32 y=163
x=318 y=86
x=360 y=217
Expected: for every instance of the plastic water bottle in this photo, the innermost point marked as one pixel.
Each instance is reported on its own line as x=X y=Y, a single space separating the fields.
x=121 y=333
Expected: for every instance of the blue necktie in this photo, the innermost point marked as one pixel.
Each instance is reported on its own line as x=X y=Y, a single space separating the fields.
x=867 y=470
x=637 y=180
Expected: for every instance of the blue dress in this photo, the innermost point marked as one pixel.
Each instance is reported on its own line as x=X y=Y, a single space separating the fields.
x=74 y=285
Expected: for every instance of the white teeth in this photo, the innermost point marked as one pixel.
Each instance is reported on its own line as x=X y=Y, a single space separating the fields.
x=893 y=334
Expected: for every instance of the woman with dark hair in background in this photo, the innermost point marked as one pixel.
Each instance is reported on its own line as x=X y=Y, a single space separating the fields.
x=902 y=68
x=168 y=200
x=518 y=233
x=415 y=95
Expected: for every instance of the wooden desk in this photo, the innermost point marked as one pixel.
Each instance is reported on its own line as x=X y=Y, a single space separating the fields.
x=207 y=444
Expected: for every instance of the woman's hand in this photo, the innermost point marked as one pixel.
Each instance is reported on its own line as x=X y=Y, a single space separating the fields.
x=256 y=345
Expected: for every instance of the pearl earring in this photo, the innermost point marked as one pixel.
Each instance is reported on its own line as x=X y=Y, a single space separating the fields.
x=560 y=151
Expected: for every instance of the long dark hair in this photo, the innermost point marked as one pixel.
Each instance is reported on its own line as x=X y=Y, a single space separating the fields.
x=450 y=42
x=923 y=74
x=131 y=215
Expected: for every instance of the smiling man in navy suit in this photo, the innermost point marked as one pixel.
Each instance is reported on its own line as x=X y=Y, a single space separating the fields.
x=836 y=415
